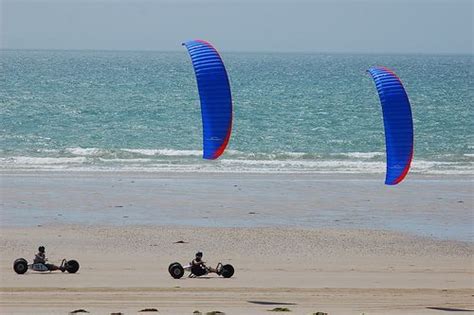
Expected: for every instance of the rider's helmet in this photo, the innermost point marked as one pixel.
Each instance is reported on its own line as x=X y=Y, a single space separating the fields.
x=41 y=249
x=198 y=256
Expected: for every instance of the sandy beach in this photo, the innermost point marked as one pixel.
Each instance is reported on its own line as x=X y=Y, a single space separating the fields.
x=339 y=249
x=324 y=149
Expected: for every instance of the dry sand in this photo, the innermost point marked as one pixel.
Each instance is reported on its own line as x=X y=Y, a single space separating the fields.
x=338 y=270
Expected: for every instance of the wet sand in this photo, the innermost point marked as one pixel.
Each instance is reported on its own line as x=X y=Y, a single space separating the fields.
x=341 y=268
x=438 y=207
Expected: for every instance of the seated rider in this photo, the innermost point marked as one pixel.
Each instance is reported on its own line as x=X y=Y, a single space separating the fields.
x=197 y=261
x=40 y=258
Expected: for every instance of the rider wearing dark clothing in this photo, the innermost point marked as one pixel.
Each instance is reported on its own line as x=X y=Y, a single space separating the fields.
x=197 y=261
x=40 y=258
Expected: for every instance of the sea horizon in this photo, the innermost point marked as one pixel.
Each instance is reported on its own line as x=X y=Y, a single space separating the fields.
x=267 y=52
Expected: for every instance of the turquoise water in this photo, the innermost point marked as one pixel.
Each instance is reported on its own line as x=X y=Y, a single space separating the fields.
x=97 y=110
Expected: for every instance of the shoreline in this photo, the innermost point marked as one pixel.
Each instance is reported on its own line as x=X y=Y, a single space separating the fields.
x=321 y=175
x=434 y=206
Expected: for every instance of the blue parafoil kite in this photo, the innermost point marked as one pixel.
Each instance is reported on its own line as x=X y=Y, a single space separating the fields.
x=214 y=93
x=398 y=123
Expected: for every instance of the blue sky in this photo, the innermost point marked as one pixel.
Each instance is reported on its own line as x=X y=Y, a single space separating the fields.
x=343 y=26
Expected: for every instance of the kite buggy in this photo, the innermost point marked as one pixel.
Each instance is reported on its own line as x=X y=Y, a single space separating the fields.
x=197 y=268
x=21 y=266
x=40 y=263
x=177 y=270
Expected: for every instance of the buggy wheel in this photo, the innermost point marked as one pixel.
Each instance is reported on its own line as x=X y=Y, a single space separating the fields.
x=176 y=270
x=227 y=271
x=171 y=265
x=20 y=266
x=72 y=266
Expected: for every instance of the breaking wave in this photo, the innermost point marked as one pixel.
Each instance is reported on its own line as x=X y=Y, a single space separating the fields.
x=170 y=160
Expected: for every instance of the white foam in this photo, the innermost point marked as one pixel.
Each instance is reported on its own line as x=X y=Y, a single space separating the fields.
x=363 y=155
x=26 y=160
x=162 y=160
x=131 y=161
x=343 y=166
x=84 y=151
x=165 y=152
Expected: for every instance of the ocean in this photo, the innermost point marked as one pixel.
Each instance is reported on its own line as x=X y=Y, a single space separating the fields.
x=293 y=113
